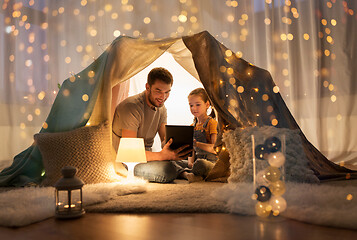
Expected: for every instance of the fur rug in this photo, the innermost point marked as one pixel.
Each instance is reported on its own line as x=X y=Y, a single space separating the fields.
x=327 y=204
x=331 y=204
x=178 y=197
x=139 y=197
x=23 y=206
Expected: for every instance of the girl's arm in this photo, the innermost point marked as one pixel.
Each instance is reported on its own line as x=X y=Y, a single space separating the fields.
x=191 y=160
x=208 y=146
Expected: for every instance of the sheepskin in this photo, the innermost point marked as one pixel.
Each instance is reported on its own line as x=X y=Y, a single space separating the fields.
x=23 y=206
x=239 y=145
x=321 y=204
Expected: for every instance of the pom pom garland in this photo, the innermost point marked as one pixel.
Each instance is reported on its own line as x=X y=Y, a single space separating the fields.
x=263 y=193
x=273 y=144
x=269 y=199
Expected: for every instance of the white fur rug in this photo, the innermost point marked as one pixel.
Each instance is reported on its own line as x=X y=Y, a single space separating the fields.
x=177 y=197
x=330 y=204
x=23 y=206
x=327 y=204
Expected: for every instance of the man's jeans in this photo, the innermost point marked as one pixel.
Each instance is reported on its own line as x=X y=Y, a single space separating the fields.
x=156 y=171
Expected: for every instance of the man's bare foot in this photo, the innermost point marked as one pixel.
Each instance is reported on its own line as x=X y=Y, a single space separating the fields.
x=193 y=178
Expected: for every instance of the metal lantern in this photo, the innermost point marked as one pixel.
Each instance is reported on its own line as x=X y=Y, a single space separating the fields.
x=69 y=202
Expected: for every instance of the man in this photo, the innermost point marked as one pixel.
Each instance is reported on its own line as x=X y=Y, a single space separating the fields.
x=143 y=116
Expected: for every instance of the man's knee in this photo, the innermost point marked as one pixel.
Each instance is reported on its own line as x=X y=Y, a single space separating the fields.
x=156 y=171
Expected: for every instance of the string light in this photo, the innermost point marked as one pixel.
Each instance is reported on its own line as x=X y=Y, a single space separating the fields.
x=186 y=20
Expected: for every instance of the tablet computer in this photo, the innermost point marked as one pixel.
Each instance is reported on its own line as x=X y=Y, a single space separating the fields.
x=181 y=135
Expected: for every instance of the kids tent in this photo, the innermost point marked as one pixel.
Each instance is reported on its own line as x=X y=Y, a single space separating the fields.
x=89 y=97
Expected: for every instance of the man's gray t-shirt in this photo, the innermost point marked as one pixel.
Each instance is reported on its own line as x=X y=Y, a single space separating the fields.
x=134 y=114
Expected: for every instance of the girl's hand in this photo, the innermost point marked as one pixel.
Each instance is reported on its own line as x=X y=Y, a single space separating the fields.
x=190 y=162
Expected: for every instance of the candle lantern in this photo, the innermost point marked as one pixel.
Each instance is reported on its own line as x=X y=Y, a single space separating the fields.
x=69 y=202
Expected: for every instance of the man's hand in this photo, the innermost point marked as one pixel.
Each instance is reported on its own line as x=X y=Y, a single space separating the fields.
x=177 y=154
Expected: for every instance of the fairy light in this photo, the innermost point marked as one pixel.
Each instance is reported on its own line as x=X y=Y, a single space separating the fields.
x=239 y=54
x=86 y=116
x=276 y=89
x=108 y=7
x=333 y=98
x=136 y=33
x=193 y=19
x=65 y=92
x=331 y=87
x=240 y=89
x=41 y=95
x=85 y=52
x=127 y=26
x=151 y=35
x=85 y=97
x=67 y=60
x=88 y=48
x=147 y=20
x=349 y=197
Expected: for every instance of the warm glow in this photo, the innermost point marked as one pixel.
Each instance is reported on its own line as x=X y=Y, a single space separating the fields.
x=85 y=97
x=276 y=89
x=131 y=150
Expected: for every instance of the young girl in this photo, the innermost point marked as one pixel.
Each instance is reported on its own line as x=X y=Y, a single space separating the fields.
x=205 y=135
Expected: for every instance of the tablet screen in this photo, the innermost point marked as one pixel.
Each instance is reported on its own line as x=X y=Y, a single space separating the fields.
x=181 y=135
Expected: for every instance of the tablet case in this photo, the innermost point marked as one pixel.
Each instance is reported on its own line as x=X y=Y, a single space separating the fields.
x=181 y=135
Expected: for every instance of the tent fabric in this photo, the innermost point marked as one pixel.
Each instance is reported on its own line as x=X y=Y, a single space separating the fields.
x=86 y=98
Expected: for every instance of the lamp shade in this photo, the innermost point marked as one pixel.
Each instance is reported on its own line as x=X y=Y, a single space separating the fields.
x=131 y=150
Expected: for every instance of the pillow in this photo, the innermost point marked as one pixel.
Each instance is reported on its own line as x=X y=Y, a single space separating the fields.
x=86 y=148
x=220 y=171
x=239 y=145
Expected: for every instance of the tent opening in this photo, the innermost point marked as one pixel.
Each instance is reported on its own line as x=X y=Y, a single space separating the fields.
x=178 y=112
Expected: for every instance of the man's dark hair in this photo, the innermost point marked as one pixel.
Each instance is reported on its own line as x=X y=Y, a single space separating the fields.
x=161 y=74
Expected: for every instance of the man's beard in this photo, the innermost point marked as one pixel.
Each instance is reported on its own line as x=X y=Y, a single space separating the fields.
x=152 y=102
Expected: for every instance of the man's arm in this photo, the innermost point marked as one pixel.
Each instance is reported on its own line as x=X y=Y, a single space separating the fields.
x=168 y=154
x=165 y=154
x=162 y=134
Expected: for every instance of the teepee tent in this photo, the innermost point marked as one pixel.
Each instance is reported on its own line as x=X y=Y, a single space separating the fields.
x=89 y=97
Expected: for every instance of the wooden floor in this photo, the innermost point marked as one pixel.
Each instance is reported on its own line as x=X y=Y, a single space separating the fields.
x=173 y=227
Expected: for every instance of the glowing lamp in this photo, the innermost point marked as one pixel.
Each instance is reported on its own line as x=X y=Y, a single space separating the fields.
x=69 y=202
x=131 y=151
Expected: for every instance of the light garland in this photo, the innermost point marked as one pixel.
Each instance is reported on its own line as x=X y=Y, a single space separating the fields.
x=268 y=194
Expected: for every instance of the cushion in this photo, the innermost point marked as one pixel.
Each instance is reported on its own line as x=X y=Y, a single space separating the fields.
x=220 y=171
x=239 y=146
x=86 y=148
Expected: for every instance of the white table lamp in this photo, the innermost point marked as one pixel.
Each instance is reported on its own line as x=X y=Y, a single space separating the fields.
x=131 y=151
